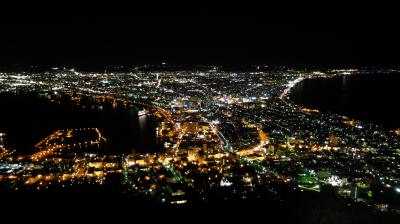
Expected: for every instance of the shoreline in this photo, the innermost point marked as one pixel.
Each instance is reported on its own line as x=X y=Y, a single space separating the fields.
x=289 y=86
x=371 y=120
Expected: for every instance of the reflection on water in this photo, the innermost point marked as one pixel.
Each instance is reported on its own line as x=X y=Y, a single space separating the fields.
x=28 y=118
x=371 y=98
x=142 y=122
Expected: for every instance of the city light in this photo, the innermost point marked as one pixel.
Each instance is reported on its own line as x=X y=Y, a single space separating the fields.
x=215 y=135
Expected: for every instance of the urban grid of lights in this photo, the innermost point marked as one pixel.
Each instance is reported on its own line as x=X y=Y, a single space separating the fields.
x=235 y=131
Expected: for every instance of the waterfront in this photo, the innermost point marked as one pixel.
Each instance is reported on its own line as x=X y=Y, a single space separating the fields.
x=367 y=97
x=228 y=137
x=28 y=118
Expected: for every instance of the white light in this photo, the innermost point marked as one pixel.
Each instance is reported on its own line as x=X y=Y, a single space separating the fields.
x=397 y=189
x=215 y=121
x=225 y=183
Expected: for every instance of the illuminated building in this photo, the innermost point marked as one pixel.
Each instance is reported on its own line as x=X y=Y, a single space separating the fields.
x=354 y=191
x=213 y=133
x=143 y=112
x=308 y=181
x=178 y=197
x=2 y=137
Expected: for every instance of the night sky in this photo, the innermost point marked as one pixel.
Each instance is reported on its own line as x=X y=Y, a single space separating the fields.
x=96 y=40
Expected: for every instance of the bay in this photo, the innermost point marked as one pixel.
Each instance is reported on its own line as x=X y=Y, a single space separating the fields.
x=371 y=98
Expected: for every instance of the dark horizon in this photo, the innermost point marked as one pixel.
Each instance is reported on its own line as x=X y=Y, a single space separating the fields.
x=100 y=41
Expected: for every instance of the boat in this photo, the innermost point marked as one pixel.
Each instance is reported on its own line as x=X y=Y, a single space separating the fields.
x=143 y=112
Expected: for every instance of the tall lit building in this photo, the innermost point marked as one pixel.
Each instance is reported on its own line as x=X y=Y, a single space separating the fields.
x=2 y=137
x=354 y=191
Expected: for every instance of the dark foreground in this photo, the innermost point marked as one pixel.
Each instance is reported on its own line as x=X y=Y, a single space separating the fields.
x=105 y=206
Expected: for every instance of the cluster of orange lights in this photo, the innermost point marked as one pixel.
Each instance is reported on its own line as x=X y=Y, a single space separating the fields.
x=307 y=110
x=351 y=122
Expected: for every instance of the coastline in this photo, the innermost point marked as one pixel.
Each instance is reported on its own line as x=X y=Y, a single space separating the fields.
x=289 y=86
x=358 y=102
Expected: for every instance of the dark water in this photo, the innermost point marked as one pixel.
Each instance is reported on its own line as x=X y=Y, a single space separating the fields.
x=28 y=118
x=369 y=97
